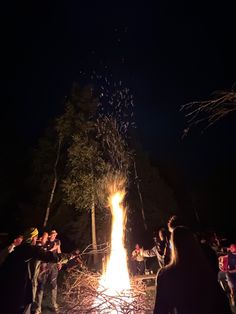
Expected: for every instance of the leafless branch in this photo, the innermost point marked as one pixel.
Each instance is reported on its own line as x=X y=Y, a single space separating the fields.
x=210 y=111
x=81 y=295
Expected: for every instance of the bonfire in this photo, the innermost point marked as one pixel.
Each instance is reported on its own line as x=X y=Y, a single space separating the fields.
x=112 y=292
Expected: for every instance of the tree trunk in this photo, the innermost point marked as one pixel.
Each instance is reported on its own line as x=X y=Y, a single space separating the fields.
x=54 y=185
x=140 y=195
x=94 y=237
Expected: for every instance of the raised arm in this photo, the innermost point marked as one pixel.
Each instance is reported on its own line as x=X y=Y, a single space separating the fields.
x=45 y=256
x=149 y=253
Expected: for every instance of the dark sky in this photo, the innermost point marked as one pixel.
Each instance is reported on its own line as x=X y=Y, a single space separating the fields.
x=167 y=52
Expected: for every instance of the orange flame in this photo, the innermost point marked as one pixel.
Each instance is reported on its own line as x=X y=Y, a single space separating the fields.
x=115 y=279
x=116 y=276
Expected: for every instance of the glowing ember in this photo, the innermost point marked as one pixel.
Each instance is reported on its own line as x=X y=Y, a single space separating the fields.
x=115 y=281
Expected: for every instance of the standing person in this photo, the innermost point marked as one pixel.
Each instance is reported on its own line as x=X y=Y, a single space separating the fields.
x=222 y=275
x=209 y=253
x=43 y=240
x=35 y=264
x=54 y=244
x=48 y=273
x=16 y=277
x=138 y=260
x=161 y=249
x=164 y=246
x=179 y=285
x=231 y=272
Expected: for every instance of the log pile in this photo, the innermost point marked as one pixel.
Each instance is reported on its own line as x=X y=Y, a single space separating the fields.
x=81 y=295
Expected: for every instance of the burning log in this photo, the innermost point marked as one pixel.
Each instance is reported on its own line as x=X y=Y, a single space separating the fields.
x=80 y=293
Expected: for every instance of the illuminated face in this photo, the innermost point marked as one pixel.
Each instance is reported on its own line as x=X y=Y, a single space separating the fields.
x=53 y=236
x=34 y=240
x=233 y=248
x=137 y=247
x=18 y=241
x=44 y=237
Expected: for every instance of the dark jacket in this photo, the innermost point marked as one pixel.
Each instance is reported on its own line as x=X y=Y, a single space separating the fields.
x=211 y=257
x=181 y=290
x=15 y=277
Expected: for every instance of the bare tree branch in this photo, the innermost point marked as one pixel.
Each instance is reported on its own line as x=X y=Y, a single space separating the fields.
x=210 y=111
x=80 y=293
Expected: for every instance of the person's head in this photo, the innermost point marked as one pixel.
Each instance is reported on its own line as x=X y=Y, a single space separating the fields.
x=185 y=247
x=202 y=237
x=162 y=234
x=173 y=222
x=232 y=248
x=137 y=247
x=77 y=252
x=155 y=236
x=31 y=235
x=44 y=238
x=18 y=240
x=53 y=235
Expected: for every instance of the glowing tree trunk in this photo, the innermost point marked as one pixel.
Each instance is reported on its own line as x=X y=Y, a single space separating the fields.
x=94 y=236
x=55 y=180
x=140 y=195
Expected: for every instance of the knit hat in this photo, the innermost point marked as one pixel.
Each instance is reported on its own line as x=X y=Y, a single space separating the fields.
x=30 y=233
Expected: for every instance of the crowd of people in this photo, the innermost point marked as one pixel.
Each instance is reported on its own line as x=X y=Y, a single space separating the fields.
x=26 y=266
x=197 y=274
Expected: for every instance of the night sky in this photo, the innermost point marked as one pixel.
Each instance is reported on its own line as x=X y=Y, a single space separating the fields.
x=167 y=53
